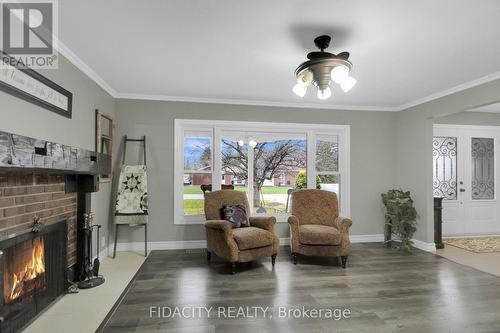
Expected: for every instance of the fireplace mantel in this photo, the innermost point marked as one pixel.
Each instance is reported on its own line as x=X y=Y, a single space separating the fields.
x=22 y=153
x=79 y=169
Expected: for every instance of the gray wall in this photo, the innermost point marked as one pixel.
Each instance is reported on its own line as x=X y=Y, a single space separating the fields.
x=387 y=149
x=373 y=168
x=414 y=145
x=21 y=117
x=470 y=118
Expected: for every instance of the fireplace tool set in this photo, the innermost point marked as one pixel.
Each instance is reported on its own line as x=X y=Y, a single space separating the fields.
x=90 y=276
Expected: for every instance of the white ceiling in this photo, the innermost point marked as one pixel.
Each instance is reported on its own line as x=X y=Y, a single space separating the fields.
x=404 y=52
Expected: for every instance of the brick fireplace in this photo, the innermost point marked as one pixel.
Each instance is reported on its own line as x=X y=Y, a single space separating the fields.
x=26 y=195
x=51 y=183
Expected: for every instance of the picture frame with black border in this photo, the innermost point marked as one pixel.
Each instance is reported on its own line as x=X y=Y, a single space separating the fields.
x=29 y=82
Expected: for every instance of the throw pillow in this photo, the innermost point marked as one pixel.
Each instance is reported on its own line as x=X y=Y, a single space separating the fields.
x=236 y=214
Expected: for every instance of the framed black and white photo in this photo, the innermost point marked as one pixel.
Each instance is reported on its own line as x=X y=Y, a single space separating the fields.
x=33 y=87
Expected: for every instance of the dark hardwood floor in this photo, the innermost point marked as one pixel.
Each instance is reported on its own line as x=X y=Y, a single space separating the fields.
x=385 y=291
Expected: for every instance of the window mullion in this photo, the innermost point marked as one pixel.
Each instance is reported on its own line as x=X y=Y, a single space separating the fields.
x=216 y=160
x=250 y=176
x=311 y=159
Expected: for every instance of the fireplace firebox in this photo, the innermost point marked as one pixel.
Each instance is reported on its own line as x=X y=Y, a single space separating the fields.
x=33 y=273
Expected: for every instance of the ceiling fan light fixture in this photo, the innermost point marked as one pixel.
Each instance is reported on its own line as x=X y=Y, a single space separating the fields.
x=299 y=90
x=339 y=74
x=252 y=143
x=305 y=78
x=324 y=93
x=322 y=68
x=241 y=143
x=348 y=84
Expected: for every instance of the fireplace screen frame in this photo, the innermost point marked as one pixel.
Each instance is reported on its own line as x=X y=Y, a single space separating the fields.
x=54 y=236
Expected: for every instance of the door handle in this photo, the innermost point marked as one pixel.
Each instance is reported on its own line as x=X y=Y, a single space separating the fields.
x=462 y=190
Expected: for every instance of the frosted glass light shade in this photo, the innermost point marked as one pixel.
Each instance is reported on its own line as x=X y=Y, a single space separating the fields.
x=325 y=93
x=241 y=143
x=339 y=74
x=305 y=78
x=252 y=143
x=348 y=84
x=299 y=90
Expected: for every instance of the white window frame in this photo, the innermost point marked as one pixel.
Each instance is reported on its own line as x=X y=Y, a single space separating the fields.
x=327 y=138
x=217 y=127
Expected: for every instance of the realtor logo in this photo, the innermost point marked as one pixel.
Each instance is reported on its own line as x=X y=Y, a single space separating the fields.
x=28 y=30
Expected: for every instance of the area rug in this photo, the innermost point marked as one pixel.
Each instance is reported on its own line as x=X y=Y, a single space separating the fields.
x=475 y=244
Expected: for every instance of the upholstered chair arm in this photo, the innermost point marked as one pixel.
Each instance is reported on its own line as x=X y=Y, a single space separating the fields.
x=263 y=222
x=343 y=224
x=222 y=225
x=266 y=223
x=294 y=232
x=220 y=239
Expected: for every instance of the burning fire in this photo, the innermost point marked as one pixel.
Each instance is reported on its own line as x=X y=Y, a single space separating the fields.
x=22 y=281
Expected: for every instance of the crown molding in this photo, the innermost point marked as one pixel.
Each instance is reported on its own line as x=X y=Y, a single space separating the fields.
x=254 y=102
x=453 y=90
x=86 y=69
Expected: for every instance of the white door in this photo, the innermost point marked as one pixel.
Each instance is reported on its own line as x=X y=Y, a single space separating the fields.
x=465 y=165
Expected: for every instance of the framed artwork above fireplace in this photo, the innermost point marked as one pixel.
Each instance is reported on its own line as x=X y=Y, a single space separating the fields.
x=25 y=83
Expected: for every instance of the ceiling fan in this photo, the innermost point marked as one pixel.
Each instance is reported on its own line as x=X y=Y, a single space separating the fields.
x=322 y=68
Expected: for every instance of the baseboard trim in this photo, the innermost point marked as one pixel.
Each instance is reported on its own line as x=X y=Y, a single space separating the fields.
x=102 y=254
x=373 y=238
x=428 y=247
x=164 y=245
x=199 y=244
x=285 y=241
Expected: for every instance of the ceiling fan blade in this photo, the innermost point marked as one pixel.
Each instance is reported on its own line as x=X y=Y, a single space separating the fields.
x=343 y=55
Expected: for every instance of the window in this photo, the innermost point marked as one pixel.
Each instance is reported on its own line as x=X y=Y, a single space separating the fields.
x=327 y=163
x=483 y=168
x=197 y=173
x=444 y=153
x=275 y=159
x=267 y=161
x=234 y=163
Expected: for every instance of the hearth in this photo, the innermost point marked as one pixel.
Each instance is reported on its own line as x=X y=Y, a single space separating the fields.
x=33 y=272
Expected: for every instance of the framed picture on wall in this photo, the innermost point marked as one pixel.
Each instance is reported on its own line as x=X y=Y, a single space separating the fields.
x=25 y=83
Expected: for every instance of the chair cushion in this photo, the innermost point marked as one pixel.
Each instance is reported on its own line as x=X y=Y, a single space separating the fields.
x=251 y=238
x=315 y=234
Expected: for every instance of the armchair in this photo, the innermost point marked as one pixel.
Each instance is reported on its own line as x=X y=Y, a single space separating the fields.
x=315 y=226
x=240 y=244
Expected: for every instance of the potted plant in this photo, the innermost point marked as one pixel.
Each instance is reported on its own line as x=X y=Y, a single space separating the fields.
x=400 y=219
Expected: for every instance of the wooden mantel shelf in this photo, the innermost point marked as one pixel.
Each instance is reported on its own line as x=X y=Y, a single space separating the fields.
x=21 y=153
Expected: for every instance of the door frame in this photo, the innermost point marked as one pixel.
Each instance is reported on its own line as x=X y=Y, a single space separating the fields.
x=465 y=172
